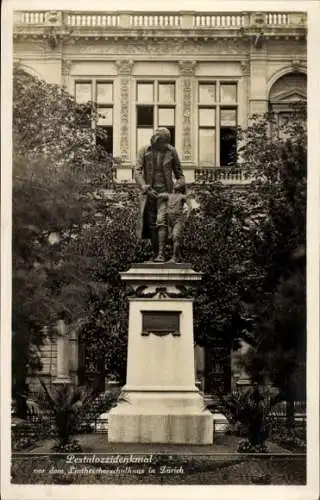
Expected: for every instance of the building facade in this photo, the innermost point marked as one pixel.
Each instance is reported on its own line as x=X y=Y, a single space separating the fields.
x=200 y=74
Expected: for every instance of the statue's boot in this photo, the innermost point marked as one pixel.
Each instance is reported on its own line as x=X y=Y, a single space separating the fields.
x=154 y=244
x=160 y=258
x=162 y=237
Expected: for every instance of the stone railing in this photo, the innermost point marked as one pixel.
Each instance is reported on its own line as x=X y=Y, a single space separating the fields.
x=219 y=20
x=30 y=17
x=155 y=21
x=159 y=20
x=276 y=18
x=225 y=175
x=92 y=20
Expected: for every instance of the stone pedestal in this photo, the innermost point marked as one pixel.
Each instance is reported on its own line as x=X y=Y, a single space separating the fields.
x=160 y=402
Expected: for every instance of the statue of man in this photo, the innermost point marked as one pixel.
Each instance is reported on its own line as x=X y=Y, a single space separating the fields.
x=155 y=168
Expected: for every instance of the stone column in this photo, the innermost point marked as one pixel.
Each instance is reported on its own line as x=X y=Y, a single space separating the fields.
x=62 y=354
x=160 y=402
x=245 y=67
x=244 y=106
x=73 y=356
x=187 y=72
x=124 y=71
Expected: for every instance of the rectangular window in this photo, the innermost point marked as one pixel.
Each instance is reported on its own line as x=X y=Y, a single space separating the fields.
x=105 y=117
x=166 y=93
x=145 y=93
x=228 y=143
x=207 y=117
x=207 y=93
x=228 y=93
x=217 y=121
x=143 y=137
x=83 y=92
x=83 y=96
x=207 y=139
x=145 y=121
x=155 y=107
x=104 y=100
x=104 y=92
x=166 y=118
x=145 y=116
x=207 y=134
x=101 y=93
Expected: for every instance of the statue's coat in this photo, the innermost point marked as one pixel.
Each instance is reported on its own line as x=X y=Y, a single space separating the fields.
x=144 y=176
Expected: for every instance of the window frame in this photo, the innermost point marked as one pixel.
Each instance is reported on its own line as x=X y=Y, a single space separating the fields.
x=156 y=104
x=95 y=81
x=217 y=106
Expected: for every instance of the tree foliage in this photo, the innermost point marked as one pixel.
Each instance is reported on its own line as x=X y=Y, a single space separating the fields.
x=279 y=161
x=57 y=167
x=72 y=238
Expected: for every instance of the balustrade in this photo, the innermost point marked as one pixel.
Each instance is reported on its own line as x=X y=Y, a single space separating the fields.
x=92 y=20
x=32 y=17
x=226 y=175
x=217 y=21
x=149 y=20
x=155 y=21
x=276 y=18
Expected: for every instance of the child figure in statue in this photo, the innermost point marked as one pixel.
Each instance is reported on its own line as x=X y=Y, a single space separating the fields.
x=173 y=212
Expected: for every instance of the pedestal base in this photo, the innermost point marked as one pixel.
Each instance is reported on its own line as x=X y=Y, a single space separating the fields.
x=157 y=417
x=160 y=402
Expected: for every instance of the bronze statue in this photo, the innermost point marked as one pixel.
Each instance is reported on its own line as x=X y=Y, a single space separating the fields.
x=155 y=168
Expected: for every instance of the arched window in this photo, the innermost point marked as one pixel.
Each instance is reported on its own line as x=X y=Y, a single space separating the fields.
x=287 y=91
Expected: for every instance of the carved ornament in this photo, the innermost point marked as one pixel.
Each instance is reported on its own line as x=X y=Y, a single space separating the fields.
x=66 y=67
x=187 y=67
x=245 y=67
x=161 y=292
x=159 y=46
x=124 y=67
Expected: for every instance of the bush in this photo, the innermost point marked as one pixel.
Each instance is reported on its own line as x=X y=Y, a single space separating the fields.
x=290 y=439
x=25 y=434
x=103 y=403
x=249 y=415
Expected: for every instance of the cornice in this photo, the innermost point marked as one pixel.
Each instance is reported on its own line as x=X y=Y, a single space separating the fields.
x=132 y=34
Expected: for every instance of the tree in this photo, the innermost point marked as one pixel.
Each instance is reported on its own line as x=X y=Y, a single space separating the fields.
x=278 y=299
x=111 y=247
x=215 y=244
x=57 y=165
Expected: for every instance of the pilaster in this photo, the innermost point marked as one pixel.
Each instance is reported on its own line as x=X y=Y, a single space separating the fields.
x=124 y=69
x=258 y=103
x=244 y=100
x=187 y=69
x=65 y=73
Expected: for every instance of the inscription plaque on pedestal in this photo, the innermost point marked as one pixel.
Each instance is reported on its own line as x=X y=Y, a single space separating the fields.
x=161 y=323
